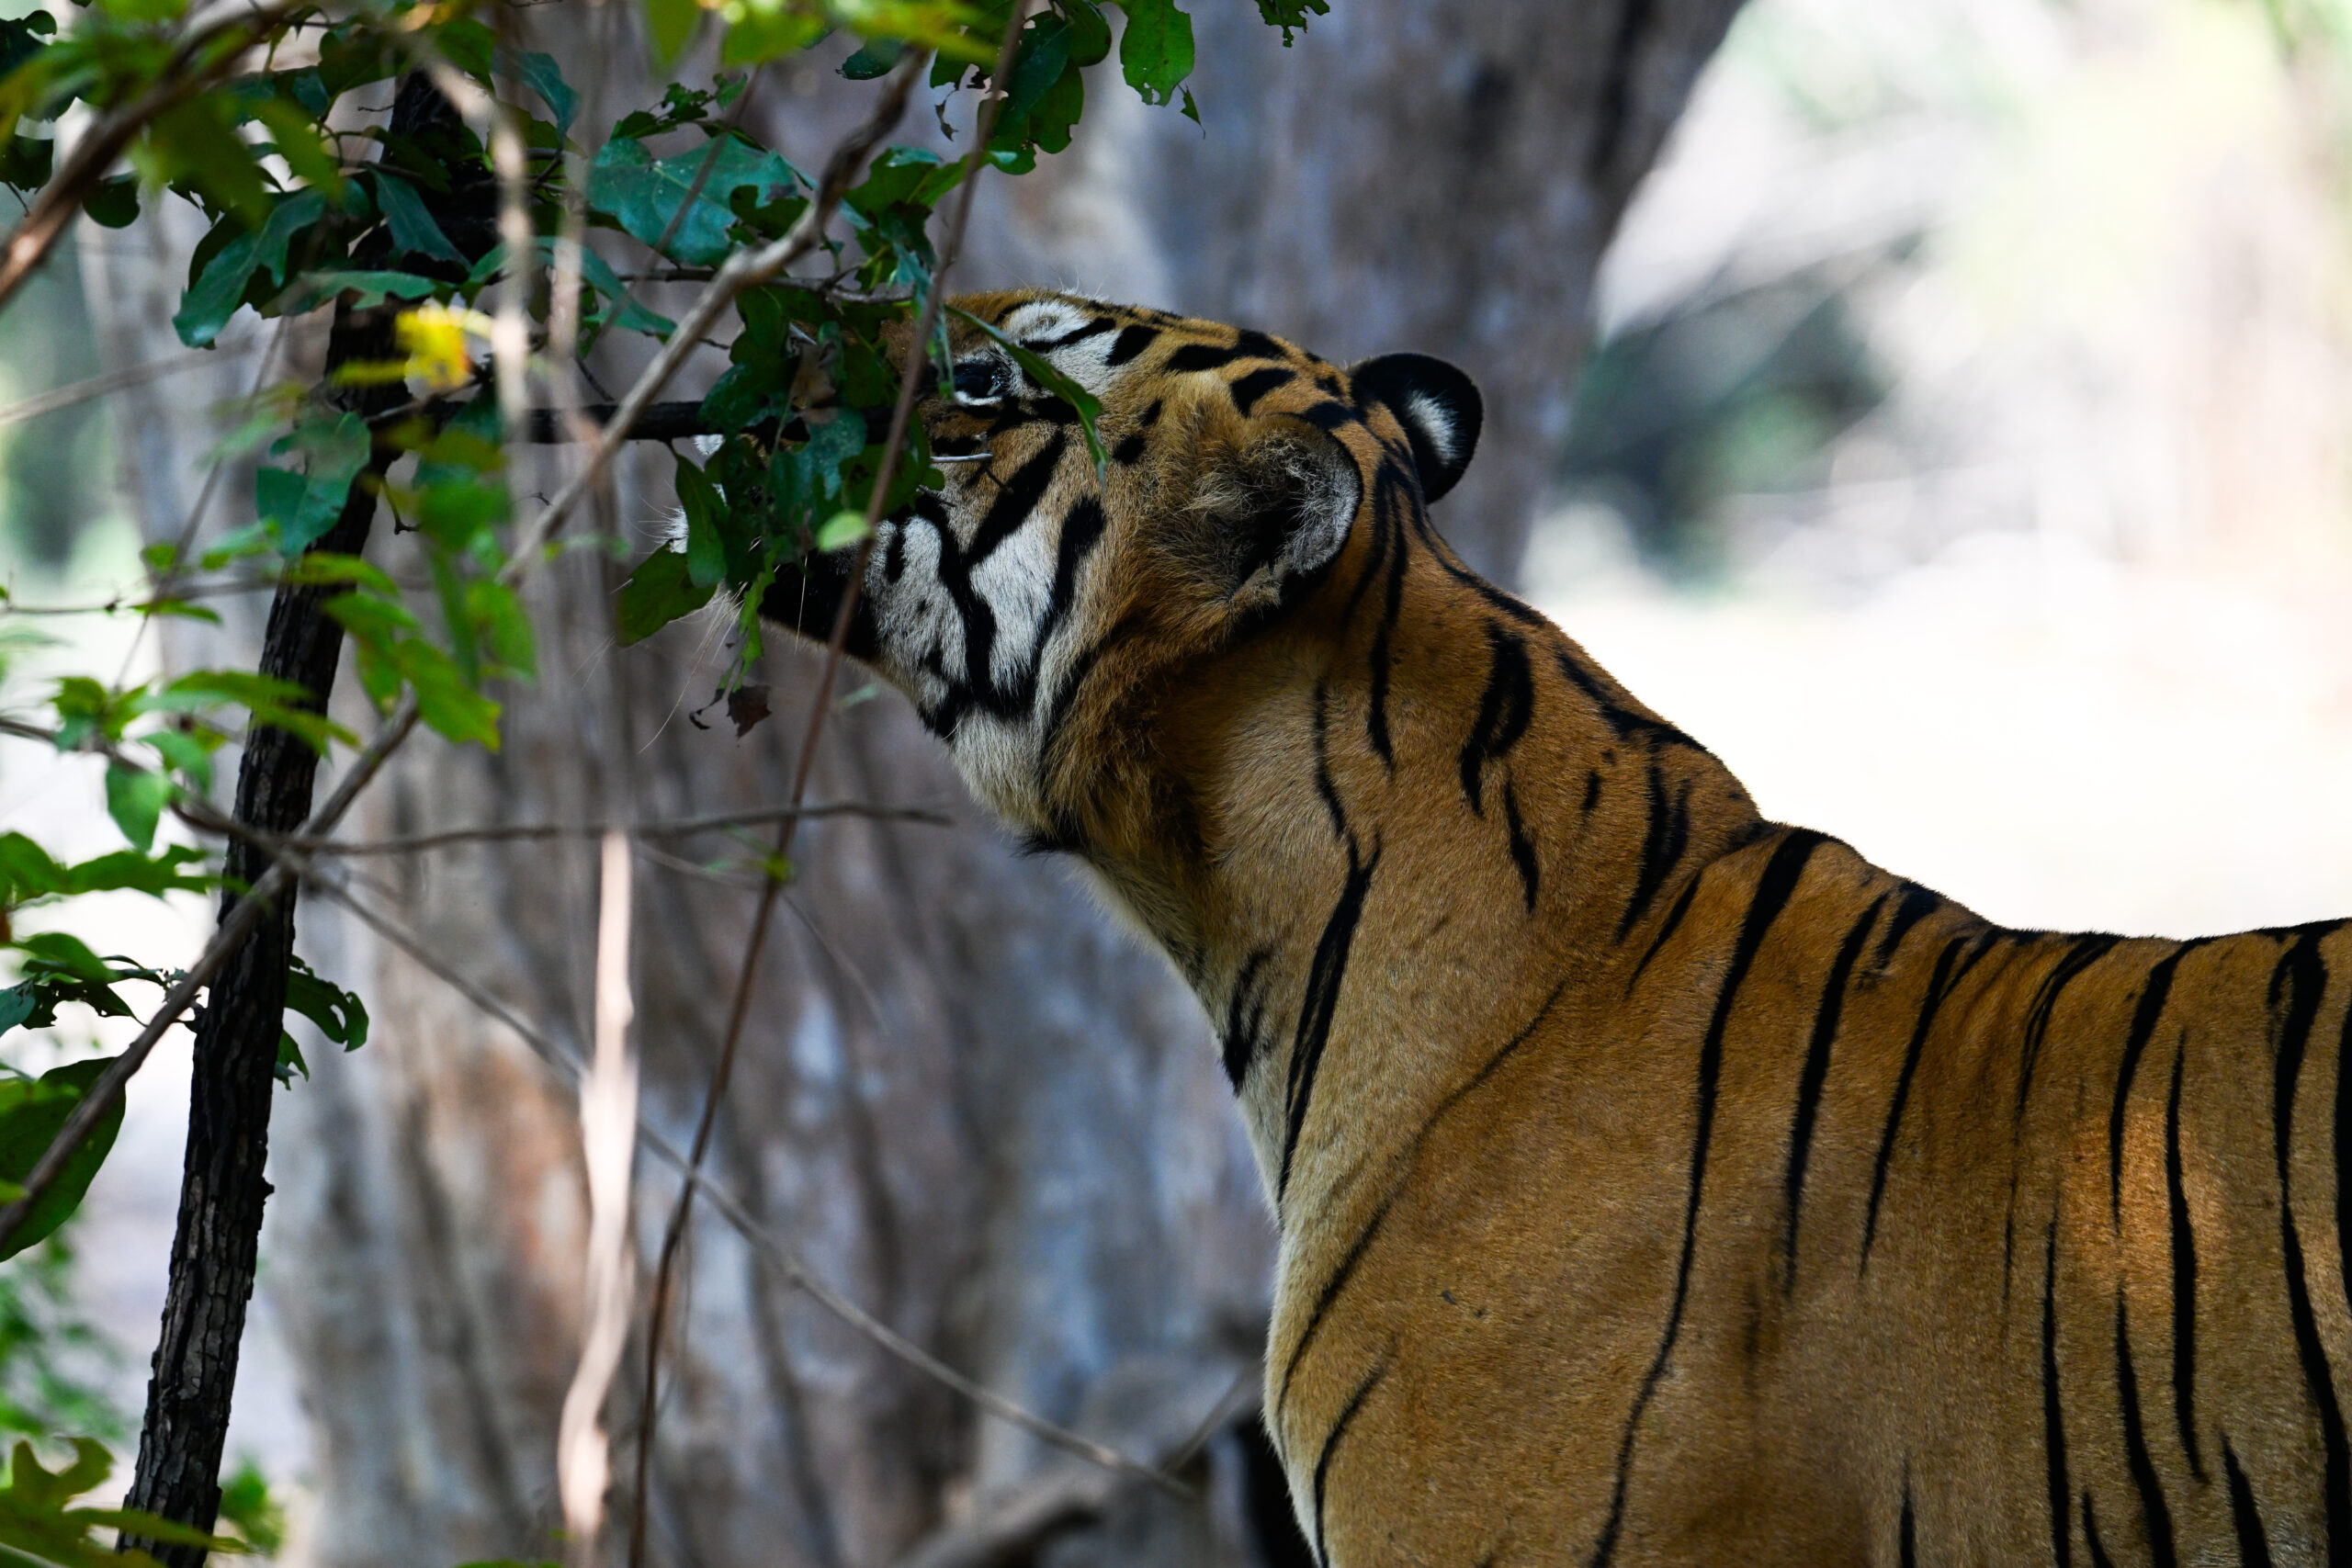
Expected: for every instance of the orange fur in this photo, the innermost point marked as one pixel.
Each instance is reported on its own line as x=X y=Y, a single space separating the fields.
x=1656 y=1184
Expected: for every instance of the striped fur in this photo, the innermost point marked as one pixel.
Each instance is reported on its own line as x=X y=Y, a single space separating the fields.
x=1658 y=1184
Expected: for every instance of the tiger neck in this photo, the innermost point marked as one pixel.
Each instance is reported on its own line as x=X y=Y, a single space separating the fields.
x=1415 y=830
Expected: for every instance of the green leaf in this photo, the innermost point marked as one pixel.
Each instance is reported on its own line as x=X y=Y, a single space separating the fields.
x=36 y=1523
x=305 y=507
x=135 y=799
x=505 y=630
x=657 y=592
x=185 y=754
x=706 y=552
x=32 y=1112
x=1291 y=14
x=1154 y=48
x=26 y=161
x=126 y=869
x=757 y=34
x=367 y=289
x=197 y=142
x=113 y=204
x=27 y=871
x=295 y=133
x=445 y=700
x=643 y=196
x=289 y=1061
x=216 y=292
x=876 y=57
x=670 y=27
x=842 y=530
x=1040 y=371
x=545 y=78
x=340 y=1015
x=414 y=229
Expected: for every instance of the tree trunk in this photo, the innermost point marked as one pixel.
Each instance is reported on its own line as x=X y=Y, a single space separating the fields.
x=216 y=1247
x=964 y=1100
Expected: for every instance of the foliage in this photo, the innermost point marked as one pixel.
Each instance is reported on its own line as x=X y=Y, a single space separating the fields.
x=269 y=121
x=39 y=1521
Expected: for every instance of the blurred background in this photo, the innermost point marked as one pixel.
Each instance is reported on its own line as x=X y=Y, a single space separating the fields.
x=1939 y=409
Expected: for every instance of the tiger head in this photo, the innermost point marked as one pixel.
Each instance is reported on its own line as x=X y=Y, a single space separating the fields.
x=1044 y=614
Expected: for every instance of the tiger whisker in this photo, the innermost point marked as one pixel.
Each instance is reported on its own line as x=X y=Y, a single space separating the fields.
x=970 y=458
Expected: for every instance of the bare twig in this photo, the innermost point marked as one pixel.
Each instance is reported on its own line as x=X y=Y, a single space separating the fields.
x=772 y=1249
x=911 y=380
x=677 y=827
x=230 y=934
x=607 y=1122
x=113 y=381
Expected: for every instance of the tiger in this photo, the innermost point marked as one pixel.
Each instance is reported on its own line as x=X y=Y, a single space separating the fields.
x=1656 y=1183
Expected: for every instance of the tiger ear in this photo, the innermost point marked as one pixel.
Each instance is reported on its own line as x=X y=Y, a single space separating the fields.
x=1281 y=507
x=1438 y=405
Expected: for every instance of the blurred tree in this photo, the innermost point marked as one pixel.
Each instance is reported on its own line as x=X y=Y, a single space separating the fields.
x=965 y=1101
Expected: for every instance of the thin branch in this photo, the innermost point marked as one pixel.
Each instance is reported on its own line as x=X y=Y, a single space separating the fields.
x=771 y=1248
x=230 y=935
x=677 y=827
x=113 y=381
x=180 y=79
x=820 y=703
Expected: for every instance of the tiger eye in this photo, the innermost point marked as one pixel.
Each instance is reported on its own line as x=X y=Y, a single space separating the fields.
x=979 y=381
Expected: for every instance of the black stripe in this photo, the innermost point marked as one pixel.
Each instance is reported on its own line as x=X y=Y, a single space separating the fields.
x=1322 y=1000
x=1240 y=1043
x=2099 y=1559
x=1915 y=905
x=1324 y=788
x=1094 y=328
x=1081 y=530
x=1938 y=987
x=1674 y=914
x=1074 y=677
x=1591 y=792
x=1363 y=1238
x=1130 y=341
x=1249 y=388
x=1130 y=448
x=1200 y=357
x=1773 y=890
x=1504 y=707
x=1907 y=1532
x=2144 y=1025
x=2253 y=1545
x=1015 y=503
x=2153 y=1511
x=1522 y=848
x=1387 y=503
x=2303 y=977
x=2054 y=1416
x=2184 y=1276
x=2080 y=955
x=1663 y=841
x=1623 y=722
x=1815 y=1077
x=1332 y=1443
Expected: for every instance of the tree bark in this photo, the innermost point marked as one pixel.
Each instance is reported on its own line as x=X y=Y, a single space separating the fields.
x=965 y=1101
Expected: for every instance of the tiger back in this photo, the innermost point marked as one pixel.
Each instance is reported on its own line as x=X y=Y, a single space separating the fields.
x=1656 y=1184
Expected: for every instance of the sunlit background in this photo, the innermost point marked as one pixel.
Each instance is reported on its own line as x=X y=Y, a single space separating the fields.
x=1964 y=461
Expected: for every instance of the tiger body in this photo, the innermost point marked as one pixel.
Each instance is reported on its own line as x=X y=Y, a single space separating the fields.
x=1656 y=1184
